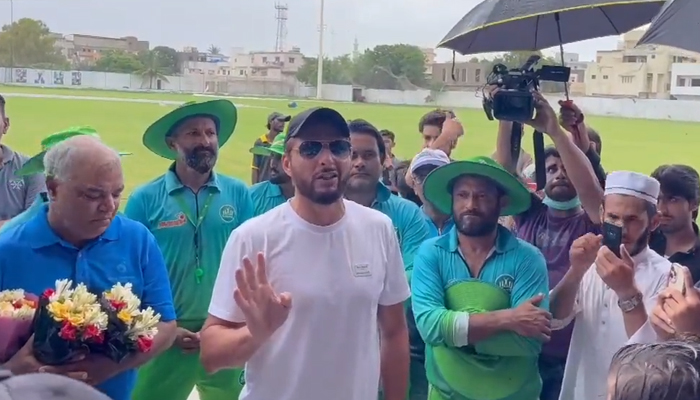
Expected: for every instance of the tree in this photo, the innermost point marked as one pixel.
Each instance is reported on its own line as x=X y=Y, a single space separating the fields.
x=396 y=66
x=152 y=69
x=336 y=71
x=214 y=50
x=28 y=42
x=118 y=61
x=167 y=59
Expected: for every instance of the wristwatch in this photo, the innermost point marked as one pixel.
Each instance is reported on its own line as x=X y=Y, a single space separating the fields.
x=630 y=304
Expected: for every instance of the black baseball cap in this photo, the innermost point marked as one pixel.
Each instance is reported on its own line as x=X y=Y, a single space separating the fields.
x=317 y=114
x=44 y=386
x=278 y=115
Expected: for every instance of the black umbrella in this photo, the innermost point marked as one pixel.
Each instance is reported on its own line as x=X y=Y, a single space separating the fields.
x=528 y=25
x=677 y=25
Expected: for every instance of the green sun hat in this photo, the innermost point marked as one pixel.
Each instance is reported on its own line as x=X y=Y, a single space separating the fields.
x=438 y=191
x=35 y=165
x=276 y=147
x=223 y=112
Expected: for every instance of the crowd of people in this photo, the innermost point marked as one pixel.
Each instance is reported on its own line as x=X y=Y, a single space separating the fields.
x=347 y=273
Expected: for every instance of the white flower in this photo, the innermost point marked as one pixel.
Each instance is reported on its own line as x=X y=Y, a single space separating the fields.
x=145 y=324
x=12 y=295
x=124 y=294
x=63 y=290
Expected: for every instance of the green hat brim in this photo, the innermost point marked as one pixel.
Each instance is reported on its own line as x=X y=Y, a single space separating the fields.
x=35 y=165
x=438 y=192
x=222 y=111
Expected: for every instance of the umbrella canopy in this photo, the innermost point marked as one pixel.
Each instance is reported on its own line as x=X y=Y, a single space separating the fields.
x=528 y=25
x=676 y=26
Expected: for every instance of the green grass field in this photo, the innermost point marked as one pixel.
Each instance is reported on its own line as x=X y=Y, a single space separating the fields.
x=638 y=145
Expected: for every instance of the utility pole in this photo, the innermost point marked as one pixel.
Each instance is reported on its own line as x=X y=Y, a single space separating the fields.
x=319 y=76
x=12 y=41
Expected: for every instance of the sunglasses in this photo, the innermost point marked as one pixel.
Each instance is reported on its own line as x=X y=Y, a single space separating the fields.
x=309 y=149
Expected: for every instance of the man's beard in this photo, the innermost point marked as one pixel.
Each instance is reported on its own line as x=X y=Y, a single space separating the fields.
x=641 y=243
x=201 y=159
x=307 y=190
x=561 y=195
x=486 y=226
x=279 y=179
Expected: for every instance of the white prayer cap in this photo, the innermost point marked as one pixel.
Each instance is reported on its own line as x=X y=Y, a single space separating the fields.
x=633 y=184
x=437 y=158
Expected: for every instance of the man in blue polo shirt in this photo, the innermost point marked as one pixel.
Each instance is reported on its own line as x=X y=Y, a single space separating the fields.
x=364 y=187
x=479 y=294
x=80 y=236
x=191 y=211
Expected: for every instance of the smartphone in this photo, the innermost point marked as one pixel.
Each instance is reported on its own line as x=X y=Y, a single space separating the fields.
x=612 y=237
x=676 y=278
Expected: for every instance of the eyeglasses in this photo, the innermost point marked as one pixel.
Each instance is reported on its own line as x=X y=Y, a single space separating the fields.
x=309 y=149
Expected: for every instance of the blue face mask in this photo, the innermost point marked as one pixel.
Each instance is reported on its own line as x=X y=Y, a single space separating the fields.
x=562 y=205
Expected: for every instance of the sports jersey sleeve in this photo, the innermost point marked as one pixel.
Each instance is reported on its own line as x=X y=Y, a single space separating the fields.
x=396 y=288
x=436 y=324
x=531 y=279
x=222 y=303
x=415 y=232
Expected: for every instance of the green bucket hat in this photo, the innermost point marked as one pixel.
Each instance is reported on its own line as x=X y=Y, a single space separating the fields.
x=223 y=112
x=276 y=147
x=438 y=191
x=35 y=165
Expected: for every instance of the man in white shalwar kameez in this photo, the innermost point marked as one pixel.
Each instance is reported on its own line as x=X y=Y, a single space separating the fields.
x=610 y=296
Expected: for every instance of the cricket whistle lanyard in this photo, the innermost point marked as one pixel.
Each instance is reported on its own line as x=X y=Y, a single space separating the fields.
x=196 y=223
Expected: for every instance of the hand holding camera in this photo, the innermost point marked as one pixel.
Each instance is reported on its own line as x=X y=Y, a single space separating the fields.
x=545 y=120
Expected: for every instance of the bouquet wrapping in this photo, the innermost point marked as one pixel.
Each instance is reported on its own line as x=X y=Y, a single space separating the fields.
x=17 y=310
x=130 y=329
x=69 y=321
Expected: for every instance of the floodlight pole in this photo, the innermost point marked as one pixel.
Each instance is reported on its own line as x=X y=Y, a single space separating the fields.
x=12 y=41
x=319 y=75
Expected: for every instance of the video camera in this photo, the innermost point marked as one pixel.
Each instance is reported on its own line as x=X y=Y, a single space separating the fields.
x=514 y=101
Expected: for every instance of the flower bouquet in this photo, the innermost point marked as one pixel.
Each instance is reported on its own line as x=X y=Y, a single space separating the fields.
x=17 y=310
x=69 y=320
x=130 y=329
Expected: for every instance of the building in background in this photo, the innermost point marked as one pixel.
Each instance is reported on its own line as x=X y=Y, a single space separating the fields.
x=577 y=79
x=467 y=75
x=685 y=81
x=429 y=54
x=267 y=65
x=195 y=62
x=643 y=72
x=87 y=49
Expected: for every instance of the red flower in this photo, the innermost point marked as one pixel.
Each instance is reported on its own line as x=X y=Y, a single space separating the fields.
x=144 y=344
x=68 y=332
x=48 y=293
x=92 y=332
x=17 y=304
x=118 y=305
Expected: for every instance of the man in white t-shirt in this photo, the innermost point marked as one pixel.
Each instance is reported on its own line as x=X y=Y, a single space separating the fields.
x=310 y=292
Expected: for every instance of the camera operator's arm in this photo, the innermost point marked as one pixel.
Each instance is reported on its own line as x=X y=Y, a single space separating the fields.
x=571 y=118
x=503 y=154
x=578 y=168
x=450 y=133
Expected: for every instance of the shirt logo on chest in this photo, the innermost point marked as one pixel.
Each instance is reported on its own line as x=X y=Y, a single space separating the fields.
x=179 y=220
x=227 y=213
x=16 y=184
x=505 y=282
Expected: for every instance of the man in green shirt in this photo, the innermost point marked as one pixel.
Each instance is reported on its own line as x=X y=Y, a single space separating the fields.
x=278 y=188
x=191 y=211
x=35 y=165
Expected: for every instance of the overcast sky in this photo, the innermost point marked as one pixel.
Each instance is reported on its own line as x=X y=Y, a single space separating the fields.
x=251 y=24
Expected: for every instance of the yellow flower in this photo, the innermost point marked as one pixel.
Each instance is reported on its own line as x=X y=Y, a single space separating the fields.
x=125 y=316
x=59 y=311
x=76 y=319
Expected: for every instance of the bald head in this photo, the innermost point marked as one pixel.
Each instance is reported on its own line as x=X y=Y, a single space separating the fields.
x=79 y=152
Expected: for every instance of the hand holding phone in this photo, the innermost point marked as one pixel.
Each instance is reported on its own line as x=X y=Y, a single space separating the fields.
x=676 y=278
x=612 y=237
